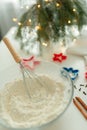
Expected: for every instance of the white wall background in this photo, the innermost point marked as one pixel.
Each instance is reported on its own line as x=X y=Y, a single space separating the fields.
x=8 y=10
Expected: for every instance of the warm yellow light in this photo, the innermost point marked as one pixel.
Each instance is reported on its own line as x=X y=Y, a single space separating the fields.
x=74 y=10
x=13 y=32
x=44 y=44
x=69 y=21
x=46 y=0
x=74 y=40
x=38 y=5
x=27 y=7
x=57 y=4
x=62 y=47
x=14 y=19
x=38 y=27
x=61 y=43
x=19 y=23
x=29 y=20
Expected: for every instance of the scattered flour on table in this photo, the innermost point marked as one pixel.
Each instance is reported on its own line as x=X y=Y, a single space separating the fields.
x=17 y=110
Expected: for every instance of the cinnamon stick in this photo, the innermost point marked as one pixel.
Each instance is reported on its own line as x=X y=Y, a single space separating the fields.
x=80 y=108
x=81 y=102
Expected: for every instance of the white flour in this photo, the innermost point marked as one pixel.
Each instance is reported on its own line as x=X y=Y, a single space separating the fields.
x=17 y=110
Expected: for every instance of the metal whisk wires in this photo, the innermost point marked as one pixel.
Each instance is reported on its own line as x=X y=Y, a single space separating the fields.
x=34 y=85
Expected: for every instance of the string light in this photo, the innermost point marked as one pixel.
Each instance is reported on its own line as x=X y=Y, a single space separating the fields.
x=19 y=23
x=46 y=0
x=74 y=10
x=61 y=43
x=14 y=19
x=38 y=27
x=74 y=40
x=69 y=21
x=29 y=20
x=38 y=5
x=58 y=4
x=13 y=32
x=62 y=47
x=27 y=7
x=44 y=44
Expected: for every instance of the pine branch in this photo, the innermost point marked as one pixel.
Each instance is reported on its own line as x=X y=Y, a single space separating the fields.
x=53 y=18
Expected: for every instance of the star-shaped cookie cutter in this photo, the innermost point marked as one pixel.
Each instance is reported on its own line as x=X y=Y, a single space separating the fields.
x=60 y=57
x=30 y=62
x=72 y=72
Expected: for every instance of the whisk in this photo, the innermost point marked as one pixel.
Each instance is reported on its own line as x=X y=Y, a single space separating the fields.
x=37 y=92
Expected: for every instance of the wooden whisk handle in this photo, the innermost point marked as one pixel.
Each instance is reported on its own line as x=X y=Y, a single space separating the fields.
x=12 y=50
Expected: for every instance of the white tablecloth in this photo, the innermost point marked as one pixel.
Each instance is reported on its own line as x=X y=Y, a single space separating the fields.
x=72 y=118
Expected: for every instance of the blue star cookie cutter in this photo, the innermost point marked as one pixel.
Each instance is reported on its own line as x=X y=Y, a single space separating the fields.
x=72 y=72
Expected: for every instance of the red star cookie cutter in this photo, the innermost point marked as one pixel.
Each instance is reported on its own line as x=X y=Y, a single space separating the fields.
x=59 y=57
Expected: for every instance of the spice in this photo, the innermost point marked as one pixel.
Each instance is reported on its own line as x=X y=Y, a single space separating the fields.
x=80 y=108
x=81 y=84
x=75 y=87
x=81 y=102
x=80 y=89
x=84 y=93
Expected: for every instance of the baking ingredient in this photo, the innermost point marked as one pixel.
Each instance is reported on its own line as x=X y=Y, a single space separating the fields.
x=80 y=107
x=81 y=102
x=17 y=110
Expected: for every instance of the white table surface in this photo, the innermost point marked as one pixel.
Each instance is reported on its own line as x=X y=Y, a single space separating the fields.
x=72 y=118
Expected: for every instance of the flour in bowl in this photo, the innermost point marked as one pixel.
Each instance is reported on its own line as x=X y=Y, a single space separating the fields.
x=17 y=110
